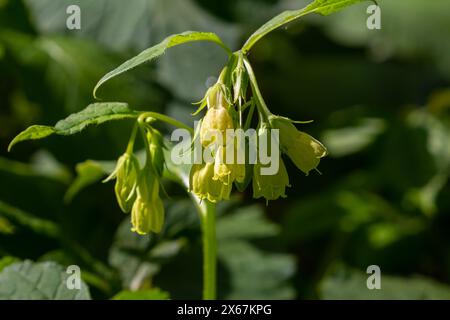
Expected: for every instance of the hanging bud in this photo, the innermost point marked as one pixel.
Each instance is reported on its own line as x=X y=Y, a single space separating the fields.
x=217 y=119
x=156 y=145
x=125 y=173
x=148 y=209
x=270 y=187
x=304 y=150
x=240 y=81
x=202 y=184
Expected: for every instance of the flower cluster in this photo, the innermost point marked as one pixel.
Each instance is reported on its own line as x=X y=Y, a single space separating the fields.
x=227 y=159
x=137 y=189
x=213 y=180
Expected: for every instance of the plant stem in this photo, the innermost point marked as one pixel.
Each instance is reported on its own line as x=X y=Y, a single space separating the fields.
x=167 y=119
x=208 y=219
x=260 y=104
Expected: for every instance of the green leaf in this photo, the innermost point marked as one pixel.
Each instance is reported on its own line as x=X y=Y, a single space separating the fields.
x=157 y=50
x=96 y=113
x=254 y=273
x=88 y=172
x=130 y=27
x=236 y=225
x=43 y=165
x=38 y=281
x=38 y=225
x=152 y=294
x=349 y=284
x=352 y=139
x=32 y=133
x=323 y=7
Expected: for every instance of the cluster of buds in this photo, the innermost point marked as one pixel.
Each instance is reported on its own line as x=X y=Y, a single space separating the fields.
x=213 y=180
x=136 y=188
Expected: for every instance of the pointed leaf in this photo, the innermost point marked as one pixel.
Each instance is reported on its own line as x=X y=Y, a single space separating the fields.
x=323 y=7
x=95 y=113
x=32 y=133
x=159 y=49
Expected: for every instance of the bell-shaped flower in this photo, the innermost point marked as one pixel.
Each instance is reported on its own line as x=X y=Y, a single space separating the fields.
x=148 y=209
x=270 y=186
x=125 y=173
x=217 y=119
x=204 y=186
x=156 y=146
x=302 y=149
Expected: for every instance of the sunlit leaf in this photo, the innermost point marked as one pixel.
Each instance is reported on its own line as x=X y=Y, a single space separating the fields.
x=323 y=7
x=88 y=172
x=94 y=114
x=159 y=49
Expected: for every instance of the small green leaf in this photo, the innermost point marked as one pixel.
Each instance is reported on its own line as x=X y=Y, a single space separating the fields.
x=159 y=49
x=96 y=113
x=152 y=294
x=38 y=225
x=88 y=172
x=323 y=7
x=32 y=133
x=38 y=281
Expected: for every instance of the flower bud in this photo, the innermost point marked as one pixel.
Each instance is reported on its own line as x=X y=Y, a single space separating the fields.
x=304 y=150
x=156 y=145
x=148 y=209
x=126 y=172
x=270 y=187
x=203 y=185
x=217 y=119
x=215 y=123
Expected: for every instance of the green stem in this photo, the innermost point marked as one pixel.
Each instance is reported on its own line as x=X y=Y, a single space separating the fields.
x=130 y=145
x=167 y=119
x=260 y=104
x=208 y=219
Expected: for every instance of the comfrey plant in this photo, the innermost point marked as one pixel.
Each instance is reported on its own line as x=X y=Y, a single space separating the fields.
x=227 y=151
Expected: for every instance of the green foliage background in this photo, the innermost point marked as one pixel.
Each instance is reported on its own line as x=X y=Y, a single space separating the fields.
x=379 y=100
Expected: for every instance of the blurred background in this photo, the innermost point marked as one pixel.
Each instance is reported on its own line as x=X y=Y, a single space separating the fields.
x=379 y=100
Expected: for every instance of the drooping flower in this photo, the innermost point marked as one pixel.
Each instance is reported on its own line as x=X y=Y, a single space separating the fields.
x=148 y=209
x=125 y=173
x=271 y=187
x=203 y=184
x=217 y=118
x=228 y=170
x=304 y=150
x=156 y=146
